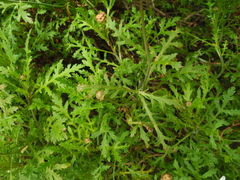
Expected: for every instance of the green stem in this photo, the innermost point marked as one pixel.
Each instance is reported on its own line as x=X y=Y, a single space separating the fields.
x=220 y=55
x=145 y=47
x=35 y=3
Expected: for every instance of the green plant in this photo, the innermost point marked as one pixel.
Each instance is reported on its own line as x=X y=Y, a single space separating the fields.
x=135 y=104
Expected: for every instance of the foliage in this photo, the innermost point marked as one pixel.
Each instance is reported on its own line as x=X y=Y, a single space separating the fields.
x=136 y=96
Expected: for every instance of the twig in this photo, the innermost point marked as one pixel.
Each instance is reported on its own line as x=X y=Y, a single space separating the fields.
x=233 y=125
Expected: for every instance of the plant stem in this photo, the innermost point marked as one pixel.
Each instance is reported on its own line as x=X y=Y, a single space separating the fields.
x=145 y=47
x=35 y=3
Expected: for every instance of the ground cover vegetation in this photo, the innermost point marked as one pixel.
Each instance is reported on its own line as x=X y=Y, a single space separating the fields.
x=119 y=89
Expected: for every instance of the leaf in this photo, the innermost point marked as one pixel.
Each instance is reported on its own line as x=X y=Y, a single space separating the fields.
x=160 y=137
x=133 y=131
x=209 y=173
x=218 y=123
x=232 y=112
x=187 y=89
x=164 y=61
x=61 y=166
x=212 y=141
x=228 y=96
x=55 y=129
x=38 y=103
x=97 y=173
x=119 y=146
x=162 y=100
x=22 y=13
x=56 y=71
x=122 y=33
x=166 y=44
x=144 y=137
x=164 y=25
x=51 y=175
x=105 y=148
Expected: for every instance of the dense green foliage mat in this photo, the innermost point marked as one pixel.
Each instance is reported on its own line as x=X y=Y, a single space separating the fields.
x=119 y=89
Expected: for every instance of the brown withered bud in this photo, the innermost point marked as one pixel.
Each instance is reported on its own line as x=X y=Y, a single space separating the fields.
x=101 y=17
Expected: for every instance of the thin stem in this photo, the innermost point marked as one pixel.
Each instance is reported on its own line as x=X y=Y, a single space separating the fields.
x=145 y=47
x=220 y=54
x=34 y=3
x=92 y=5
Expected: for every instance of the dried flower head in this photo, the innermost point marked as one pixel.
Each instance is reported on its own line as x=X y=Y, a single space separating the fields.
x=188 y=103
x=101 y=17
x=166 y=177
x=87 y=140
x=100 y=95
